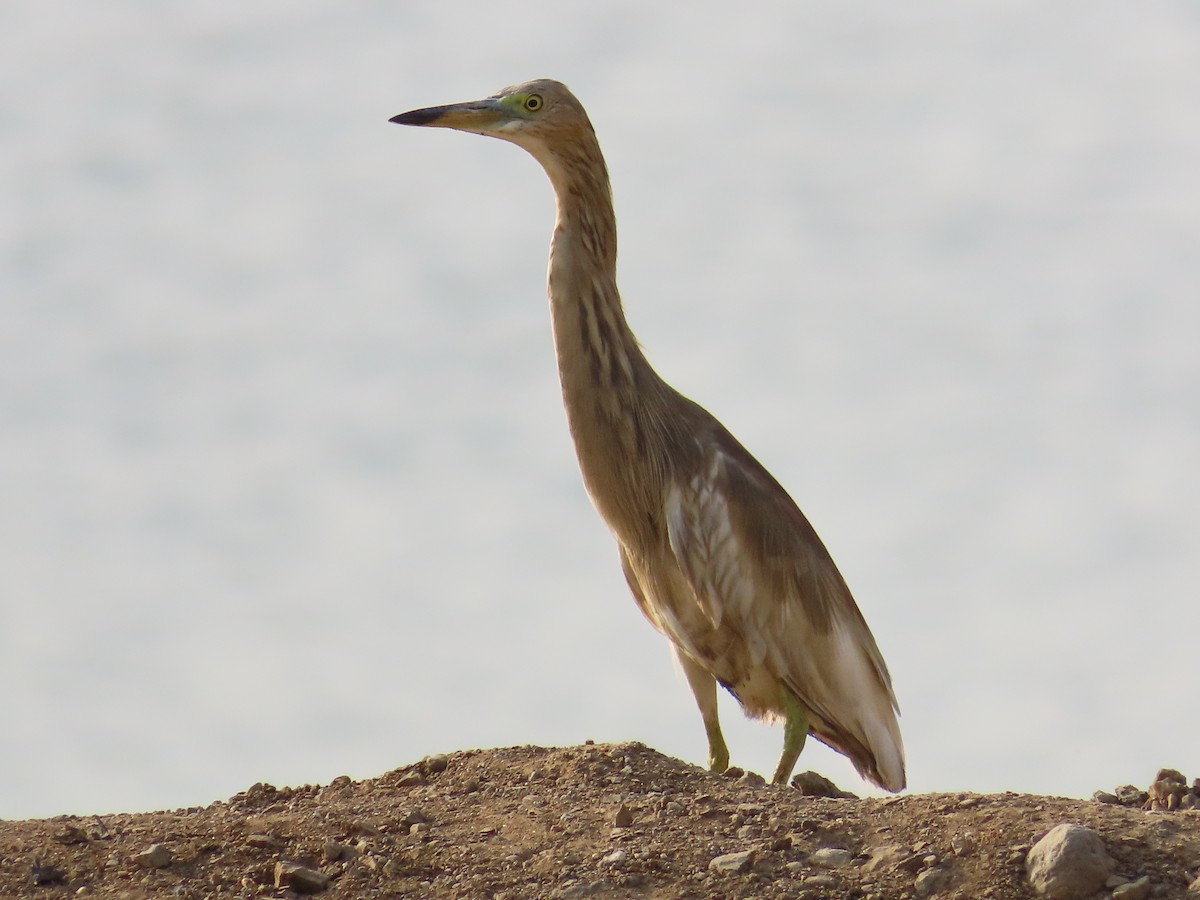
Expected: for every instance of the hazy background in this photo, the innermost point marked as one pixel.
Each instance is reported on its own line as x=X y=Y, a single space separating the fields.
x=286 y=490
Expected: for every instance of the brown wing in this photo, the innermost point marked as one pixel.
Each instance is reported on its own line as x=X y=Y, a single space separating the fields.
x=755 y=562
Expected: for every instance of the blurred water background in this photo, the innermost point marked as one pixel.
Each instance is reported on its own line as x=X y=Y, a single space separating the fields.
x=286 y=490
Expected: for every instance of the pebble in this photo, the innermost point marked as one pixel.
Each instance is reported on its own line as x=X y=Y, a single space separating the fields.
x=1106 y=797
x=156 y=856
x=831 y=858
x=733 y=863
x=43 y=875
x=1167 y=791
x=888 y=855
x=300 y=879
x=435 y=763
x=1129 y=795
x=1135 y=890
x=623 y=818
x=583 y=889
x=264 y=842
x=71 y=834
x=820 y=881
x=1069 y=862
x=411 y=778
x=334 y=851
x=615 y=858
x=963 y=844
x=930 y=882
x=813 y=784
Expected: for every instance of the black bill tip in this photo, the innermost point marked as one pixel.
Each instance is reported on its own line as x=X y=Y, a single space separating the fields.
x=419 y=116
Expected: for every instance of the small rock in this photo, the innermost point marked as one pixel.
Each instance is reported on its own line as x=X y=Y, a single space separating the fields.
x=1166 y=793
x=1134 y=890
x=733 y=772
x=888 y=855
x=264 y=842
x=820 y=881
x=71 y=834
x=749 y=833
x=334 y=851
x=300 y=879
x=435 y=763
x=1172 y=775
x=615 y=858
x=623 y=818
x=411 y=778
x=156 y=856
x=1017 y=854
x=733 y=863
x=1069 y=862
x=582 y=889
x=963 y=844
x=751 y=779
x=40 y=876
x=1129 y=795
x=830 y=858
x=1105 y=797
x=1194 y=887
x=931 y=881
x=813 y=784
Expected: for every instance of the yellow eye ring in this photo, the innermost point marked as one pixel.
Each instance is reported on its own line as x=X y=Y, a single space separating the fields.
x=533 y=102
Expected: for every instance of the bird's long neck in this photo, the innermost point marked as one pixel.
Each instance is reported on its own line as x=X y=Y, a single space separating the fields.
x=596 y=349
x=609 y=389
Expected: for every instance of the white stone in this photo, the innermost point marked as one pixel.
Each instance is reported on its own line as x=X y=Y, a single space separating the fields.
x=831 y=858
x=1070 y=862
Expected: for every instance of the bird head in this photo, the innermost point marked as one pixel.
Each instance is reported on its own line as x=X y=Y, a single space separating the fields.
x=536 y=115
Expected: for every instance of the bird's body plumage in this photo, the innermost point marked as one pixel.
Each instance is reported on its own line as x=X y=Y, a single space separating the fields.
x=718 y=556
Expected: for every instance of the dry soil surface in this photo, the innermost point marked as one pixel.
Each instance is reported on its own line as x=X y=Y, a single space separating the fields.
x=605 y=821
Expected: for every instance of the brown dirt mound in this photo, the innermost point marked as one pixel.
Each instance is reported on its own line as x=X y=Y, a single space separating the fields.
x=607 y=821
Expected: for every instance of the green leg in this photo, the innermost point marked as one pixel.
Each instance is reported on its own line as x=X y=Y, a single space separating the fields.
x=704 y=689
x=795 y=730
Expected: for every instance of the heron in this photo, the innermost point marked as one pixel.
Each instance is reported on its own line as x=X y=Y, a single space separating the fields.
x=718 y=556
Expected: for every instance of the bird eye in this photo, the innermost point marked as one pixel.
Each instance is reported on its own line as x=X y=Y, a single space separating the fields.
x=533 y=102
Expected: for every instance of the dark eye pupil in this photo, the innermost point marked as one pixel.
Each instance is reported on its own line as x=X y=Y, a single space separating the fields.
x=533 y=103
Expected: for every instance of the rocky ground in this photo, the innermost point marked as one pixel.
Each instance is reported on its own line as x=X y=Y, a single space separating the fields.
x=612 y=821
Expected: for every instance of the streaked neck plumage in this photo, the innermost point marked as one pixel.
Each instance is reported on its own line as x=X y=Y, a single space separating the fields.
x=610 y=391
